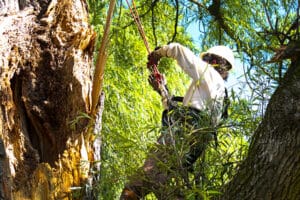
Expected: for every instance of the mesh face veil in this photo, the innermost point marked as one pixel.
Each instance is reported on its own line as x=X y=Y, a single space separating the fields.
x=216 y=61
x=218 y=54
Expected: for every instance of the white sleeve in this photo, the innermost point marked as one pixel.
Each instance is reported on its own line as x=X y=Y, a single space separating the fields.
x=186 y=59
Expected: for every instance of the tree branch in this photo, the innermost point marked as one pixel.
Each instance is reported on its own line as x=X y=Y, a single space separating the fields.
x=176 y=20
x=273 y=157
x=153 y=25
x=153 y=4
x=198 y=4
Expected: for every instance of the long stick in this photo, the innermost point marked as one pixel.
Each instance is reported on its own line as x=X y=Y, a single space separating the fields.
x=137 y=20
x=101 y=60
x=153 y=69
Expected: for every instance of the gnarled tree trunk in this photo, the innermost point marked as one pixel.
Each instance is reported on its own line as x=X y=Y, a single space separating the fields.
x=45 y=82
x=272 y=168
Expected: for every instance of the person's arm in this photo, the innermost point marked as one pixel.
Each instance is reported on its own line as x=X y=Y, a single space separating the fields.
x=186 y=59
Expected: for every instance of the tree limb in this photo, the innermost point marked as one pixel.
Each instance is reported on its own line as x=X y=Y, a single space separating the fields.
x=198 y=4
x=153 y=25
x=176 y=20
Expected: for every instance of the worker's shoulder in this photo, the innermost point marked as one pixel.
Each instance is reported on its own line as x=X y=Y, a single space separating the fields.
x=175 y=44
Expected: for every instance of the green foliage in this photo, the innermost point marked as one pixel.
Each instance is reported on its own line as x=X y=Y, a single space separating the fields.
x=131 y=119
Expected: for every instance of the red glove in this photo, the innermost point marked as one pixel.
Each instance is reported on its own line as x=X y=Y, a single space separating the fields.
x=153 y=58
x=155 y=80
x=154 y=83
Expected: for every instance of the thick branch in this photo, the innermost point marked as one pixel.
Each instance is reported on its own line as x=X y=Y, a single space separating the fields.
x=272 y=170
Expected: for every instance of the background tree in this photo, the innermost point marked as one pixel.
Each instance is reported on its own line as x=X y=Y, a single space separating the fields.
x=255 y=29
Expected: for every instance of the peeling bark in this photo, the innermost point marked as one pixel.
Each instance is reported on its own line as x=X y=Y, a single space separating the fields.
x=45 y=81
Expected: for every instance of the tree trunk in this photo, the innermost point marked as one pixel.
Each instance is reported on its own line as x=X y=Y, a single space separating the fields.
x=45 y=82
x=272 y=168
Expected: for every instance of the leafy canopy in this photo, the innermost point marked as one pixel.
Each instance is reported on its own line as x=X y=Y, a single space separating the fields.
x=132 y=112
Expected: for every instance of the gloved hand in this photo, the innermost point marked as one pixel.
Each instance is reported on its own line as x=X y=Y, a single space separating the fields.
x=153 y=58
x=155 y=80
x=154 y=83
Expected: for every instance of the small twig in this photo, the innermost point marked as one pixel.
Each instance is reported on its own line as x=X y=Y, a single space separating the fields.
x=198 y=4
x=267 y=15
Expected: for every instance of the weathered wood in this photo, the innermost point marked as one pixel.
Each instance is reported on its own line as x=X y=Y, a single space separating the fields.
x=92 y=189
x=45 y=82
x=101 y=60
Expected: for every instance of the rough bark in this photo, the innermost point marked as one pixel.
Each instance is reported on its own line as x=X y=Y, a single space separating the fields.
x=45 y=81
x=272 y=168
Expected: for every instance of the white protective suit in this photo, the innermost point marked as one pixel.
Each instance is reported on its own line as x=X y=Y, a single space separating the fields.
x=207 y=90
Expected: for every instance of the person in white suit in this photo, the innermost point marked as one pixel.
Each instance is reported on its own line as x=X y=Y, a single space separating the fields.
x=188 y=126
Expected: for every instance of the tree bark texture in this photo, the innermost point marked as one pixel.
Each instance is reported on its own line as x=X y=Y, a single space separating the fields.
x=272 y=168
x=45 y=82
